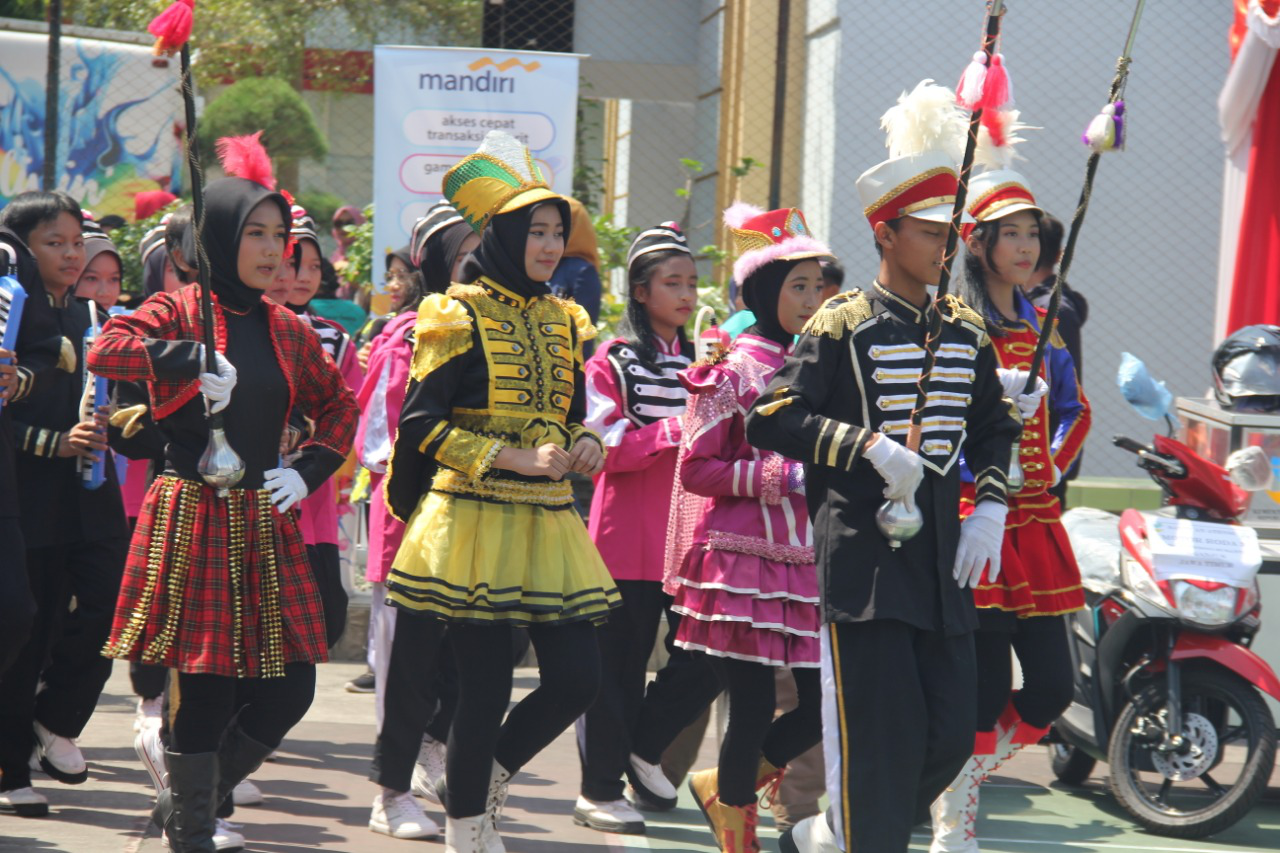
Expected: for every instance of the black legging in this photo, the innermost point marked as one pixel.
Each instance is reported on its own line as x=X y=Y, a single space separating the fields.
x=267 y=707
x=752 y=730
x=1041 y=645
x=569 y=670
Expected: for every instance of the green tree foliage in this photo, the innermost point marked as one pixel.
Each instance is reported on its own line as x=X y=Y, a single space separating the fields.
x=268 y=38
x=270 y=105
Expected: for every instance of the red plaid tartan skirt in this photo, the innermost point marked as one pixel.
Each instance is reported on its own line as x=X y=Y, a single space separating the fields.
x=217 y=585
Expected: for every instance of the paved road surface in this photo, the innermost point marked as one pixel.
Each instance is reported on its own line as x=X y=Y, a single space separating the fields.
x=317 y=798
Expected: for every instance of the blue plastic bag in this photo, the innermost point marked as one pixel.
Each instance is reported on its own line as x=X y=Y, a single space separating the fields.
x=1149 y=397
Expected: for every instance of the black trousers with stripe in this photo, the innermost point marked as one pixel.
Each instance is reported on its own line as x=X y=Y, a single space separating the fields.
x=905 y=711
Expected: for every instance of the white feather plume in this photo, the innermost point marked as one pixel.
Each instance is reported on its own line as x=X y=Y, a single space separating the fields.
x=992 y=156
x=925 y=119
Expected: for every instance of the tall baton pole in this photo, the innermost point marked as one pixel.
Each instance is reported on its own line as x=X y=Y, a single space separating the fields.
x=220 y=466
x=899 y=521
x=1082 y=206
x=994 y=13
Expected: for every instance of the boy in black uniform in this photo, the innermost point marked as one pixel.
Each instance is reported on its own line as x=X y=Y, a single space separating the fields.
x=898 y=646
x=75 y=537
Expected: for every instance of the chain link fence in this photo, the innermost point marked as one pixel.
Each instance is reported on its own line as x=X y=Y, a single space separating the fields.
x=687 y=105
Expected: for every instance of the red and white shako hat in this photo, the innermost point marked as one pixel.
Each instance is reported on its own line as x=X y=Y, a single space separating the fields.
x=925 y=135
x=760 y=237
x=999 y=191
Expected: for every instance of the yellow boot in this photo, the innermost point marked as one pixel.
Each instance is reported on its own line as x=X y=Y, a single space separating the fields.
x=734 y=826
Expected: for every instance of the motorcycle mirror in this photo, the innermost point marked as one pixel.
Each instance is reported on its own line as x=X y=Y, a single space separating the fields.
x=1250 y=469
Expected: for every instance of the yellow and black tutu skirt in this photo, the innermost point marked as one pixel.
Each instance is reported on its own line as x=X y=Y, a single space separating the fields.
x=469 y=560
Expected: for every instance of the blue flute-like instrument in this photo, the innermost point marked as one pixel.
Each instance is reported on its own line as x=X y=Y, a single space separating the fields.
x=92 y=474
x=12 y=297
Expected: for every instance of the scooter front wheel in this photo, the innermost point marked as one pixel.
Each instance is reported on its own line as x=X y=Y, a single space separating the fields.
x=1214 y=776
x=1070 y=764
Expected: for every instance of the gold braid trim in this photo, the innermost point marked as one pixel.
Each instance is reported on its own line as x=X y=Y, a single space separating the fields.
x=839 y=315
x=179 y=541
x=270 y=621
x=155 y=559
x=235 y=555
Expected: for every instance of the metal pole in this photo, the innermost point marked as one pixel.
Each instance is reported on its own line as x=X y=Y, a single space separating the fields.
x=779 y=106
x=1082 y=207
x=52 y=84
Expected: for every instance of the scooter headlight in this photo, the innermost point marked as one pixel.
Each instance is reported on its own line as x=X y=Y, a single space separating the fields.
x=1211 y=608
x=1141 y=583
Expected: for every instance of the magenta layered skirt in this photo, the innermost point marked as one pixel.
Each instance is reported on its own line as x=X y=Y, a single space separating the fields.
x=748 y=606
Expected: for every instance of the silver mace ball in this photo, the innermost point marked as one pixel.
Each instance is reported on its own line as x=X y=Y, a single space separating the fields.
x=1017 y=477
x=220 y=466
x=899 y=521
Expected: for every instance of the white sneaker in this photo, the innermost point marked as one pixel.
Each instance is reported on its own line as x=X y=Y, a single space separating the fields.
x=151 y=753
x=653 y=789
x=246 y=794
x=225 y=837
x=811 y=835
x=274 y=755
x=400 y=816
x=24 y=802
x=60 y=757
x=150 y=713
x=428 y=770
x=617 y=816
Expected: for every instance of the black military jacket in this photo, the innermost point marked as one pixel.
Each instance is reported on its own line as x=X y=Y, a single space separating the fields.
x=55 y=506
x=854 y=372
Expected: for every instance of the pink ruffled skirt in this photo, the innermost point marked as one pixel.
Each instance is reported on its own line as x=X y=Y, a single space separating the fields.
x=748 y=607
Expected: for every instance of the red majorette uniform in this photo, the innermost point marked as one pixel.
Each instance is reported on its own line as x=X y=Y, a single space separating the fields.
x=222 y=585
x=1039 y=580
x=1038 y=575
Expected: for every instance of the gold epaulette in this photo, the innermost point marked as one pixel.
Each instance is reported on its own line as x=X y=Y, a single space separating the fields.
x=840 y=314
x=442 y=332
x=585 y=329
x=958 y=312
x=466 y=291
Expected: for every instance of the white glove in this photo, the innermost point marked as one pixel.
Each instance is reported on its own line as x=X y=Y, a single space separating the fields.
x=901 y=468
x=1014 y=381
x=286 y=486
x=981 y=535
x=217 y=387
x=1057 y=477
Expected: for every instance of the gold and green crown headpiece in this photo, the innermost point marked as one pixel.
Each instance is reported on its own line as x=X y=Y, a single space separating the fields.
x=499 y=178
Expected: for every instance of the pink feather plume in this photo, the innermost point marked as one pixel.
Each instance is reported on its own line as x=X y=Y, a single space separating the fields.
x=172 y=27
x=736 y=214
x=244 y=157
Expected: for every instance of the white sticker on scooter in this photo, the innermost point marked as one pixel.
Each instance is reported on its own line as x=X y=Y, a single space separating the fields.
x=1202 y=550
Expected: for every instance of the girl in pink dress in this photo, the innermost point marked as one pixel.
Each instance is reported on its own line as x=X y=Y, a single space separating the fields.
x=745 y=584
x=634 y=403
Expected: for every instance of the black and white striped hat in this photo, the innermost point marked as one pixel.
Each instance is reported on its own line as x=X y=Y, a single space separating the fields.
x=440 y=215
x=660 y=238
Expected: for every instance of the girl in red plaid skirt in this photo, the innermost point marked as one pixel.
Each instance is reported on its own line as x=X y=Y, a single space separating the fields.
x=218 y=587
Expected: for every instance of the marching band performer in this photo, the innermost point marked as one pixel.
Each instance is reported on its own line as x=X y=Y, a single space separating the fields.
x=1024 y=609
x=491 y=424
x=219 y=587
x=898 y=646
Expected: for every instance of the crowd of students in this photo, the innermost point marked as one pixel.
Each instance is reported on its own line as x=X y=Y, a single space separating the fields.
x=734 y=501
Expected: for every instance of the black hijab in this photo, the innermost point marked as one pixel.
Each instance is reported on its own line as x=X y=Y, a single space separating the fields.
x=439 y=253
x=227 y=205
x=760 y=292
x=500 y=255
